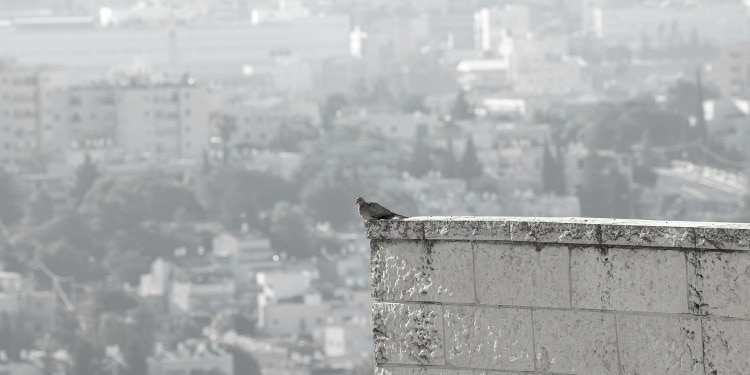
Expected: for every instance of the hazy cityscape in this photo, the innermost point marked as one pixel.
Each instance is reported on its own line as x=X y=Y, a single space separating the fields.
x=178 y=178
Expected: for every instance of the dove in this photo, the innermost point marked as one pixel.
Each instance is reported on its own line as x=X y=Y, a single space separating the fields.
x=374 y=211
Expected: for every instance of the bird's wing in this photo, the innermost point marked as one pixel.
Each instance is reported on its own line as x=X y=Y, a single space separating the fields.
x=379 y=212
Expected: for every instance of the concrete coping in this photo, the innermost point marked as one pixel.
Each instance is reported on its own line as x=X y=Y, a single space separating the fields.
x=573 y=231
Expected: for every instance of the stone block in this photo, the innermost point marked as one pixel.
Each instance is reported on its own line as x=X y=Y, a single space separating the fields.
x=394 y=229
x=488 y=338
x=647 y=233
x=421 y=371
x=723 y=236
x=439 y=371
x=629 y=280
x=567 y=231
x=408 y=333
x=575 y=342
x=522 y=275
x=719 y=283
x=466 y=228
x=669 y=345
x=423 y=271
x=726 y=346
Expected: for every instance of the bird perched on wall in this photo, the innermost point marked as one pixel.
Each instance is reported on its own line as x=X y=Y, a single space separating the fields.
x=374 y=211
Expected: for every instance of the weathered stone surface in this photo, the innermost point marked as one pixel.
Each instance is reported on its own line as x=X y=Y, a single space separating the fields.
x=394 y=229
x=575 y=342
x=727 y=346
x=420 y=371
x=439 y=371
x=522 y=275
x=466 y=228
x=723 y=236
x=408 y=333
x=648 y=233
x=423 y=271
x=629 y=280
x=569 y=231
x=660 y=345
x=719 y=283
x=488 y=338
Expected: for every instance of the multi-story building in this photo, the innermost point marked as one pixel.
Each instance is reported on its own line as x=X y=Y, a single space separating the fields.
x=27 y=120
x=202 y=294
x=168 y=120
x=27 y=309
x=491 y=25
x=165 y=120
x=542 y=65
x=733 y=71
x=89 y=114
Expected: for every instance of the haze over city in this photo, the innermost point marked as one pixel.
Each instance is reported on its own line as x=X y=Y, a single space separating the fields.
x=178 y=178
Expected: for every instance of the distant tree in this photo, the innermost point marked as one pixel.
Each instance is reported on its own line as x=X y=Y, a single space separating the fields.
x=243 y=362
x=413 y=103
x=447 y=161
x=112 y=301
x=121 y=204
x=227 y=126
x=128 y=266
x=471 y=167
x=330 y=108
x=234 y=195
x=420 y=163
x=83 y=357
x=39 y=209
x=11 y=199
x=68 y=261
x=289 y=232
x=548 y=170
x=553 y=171
x=329 y=197
x=135 y=357
x=290 y=133
x=206 y=163
x=86 y=175
x=604 y=191
x=461 y=109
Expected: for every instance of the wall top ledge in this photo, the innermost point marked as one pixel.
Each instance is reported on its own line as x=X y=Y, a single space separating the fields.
x=574 y=230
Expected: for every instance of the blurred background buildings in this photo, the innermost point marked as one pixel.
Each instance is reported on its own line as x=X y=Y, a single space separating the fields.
x=177 y=178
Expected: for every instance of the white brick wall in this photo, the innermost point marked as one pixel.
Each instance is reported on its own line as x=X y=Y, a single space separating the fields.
x=497 y=295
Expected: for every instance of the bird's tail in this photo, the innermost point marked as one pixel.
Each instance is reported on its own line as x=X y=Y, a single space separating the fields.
x=398 y=217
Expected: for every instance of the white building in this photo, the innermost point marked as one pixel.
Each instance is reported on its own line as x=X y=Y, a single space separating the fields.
x=191 y=357
x=493 y=24
x=27 y=120
x=303 y=315
x=542 y=65
x=347 y=339
x=245 y=253
x=485 y=74
x=205 y=296
x=281 y=284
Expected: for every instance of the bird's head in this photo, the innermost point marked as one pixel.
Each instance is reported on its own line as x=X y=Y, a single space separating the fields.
x=359 y=201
